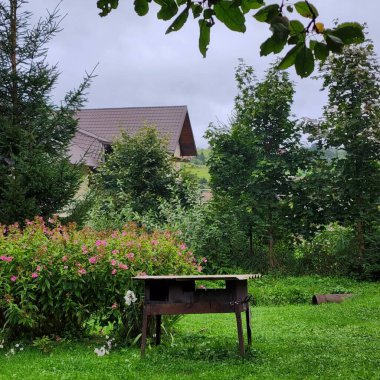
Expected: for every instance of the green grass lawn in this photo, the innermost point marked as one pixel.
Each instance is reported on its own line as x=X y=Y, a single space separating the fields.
x=290 y=341
x=201 y=171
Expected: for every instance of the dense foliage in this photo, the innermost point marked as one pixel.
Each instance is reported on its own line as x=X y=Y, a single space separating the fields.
x=347 y=186
x=332 y=251
x=310 y=41
x=277 y=204
x=255 y=162
x=280 y=204
x=137 y=178
x=352 y=124
x=36 y=177
x=55 y=279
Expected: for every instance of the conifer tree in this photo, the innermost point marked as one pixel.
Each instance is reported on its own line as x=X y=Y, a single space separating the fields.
x=36 y=177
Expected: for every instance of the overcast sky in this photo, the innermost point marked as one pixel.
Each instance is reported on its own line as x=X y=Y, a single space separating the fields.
x=141 y=66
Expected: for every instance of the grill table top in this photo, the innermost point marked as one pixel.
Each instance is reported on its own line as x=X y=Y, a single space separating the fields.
x=238 y=277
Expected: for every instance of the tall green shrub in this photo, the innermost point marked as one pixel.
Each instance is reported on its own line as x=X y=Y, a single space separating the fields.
x=329 y=252
x=136 y=179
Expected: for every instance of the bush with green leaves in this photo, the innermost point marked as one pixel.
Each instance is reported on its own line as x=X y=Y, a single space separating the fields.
x=330 y=252
x=371 y=267
x=139 y=175
x=213 y=231
x=273 y=290
x=54 y=279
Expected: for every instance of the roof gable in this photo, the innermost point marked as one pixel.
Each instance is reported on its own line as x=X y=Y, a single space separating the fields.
x=105 y=124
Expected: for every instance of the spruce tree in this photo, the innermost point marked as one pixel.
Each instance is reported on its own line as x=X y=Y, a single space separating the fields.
x=36 y=177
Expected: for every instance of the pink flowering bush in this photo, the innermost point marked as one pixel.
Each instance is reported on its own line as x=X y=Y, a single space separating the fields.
x=54 y=278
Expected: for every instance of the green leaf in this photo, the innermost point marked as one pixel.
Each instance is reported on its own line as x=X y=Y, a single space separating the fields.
x=335 y=44
x=280 y=28
x=208 y=13
x=296 y=27
x=230 y=16
x=196 y=9
x=304 y=62
x=293 y=40
x=114 y=3
x=267 y=13
x=179 y=22
x=168 y=9
x=247 y=5
x=289 y=8
x=349 y=33
x=321 y=51
x=306 y=10
x=141 y=7
x=106 y=6
x=204 y=36
x=181 y=2
x=271 y=45
x=335 y=39
x=289 y=58
x=297 y=32
x=235 y=3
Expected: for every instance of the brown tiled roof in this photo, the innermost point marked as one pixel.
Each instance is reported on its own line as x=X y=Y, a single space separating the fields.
x=99 y=127
x=87 y=147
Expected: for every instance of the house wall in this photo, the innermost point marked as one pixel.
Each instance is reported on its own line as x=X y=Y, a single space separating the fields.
x=177 y=152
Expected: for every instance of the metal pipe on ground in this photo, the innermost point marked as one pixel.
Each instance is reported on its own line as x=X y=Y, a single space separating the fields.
x=323 y=298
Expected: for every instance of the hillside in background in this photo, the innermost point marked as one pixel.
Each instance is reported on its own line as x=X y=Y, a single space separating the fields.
x=197 y=166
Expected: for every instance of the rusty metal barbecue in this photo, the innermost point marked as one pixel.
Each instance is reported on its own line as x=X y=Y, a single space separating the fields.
x=171 y=295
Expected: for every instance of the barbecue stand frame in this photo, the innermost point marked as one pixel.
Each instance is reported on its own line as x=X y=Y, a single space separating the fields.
x=173 y=295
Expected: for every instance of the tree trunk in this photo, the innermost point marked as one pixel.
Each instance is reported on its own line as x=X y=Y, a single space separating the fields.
x=13 y=53
x=250 y=237
x=271 y=258
x=272 y=261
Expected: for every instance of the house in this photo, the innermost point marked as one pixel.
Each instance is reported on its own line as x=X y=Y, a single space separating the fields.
x=98 y=128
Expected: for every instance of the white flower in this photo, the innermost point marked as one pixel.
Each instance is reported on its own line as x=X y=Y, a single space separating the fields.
x=101 y=351
x=130 y=297
x=17 y=345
